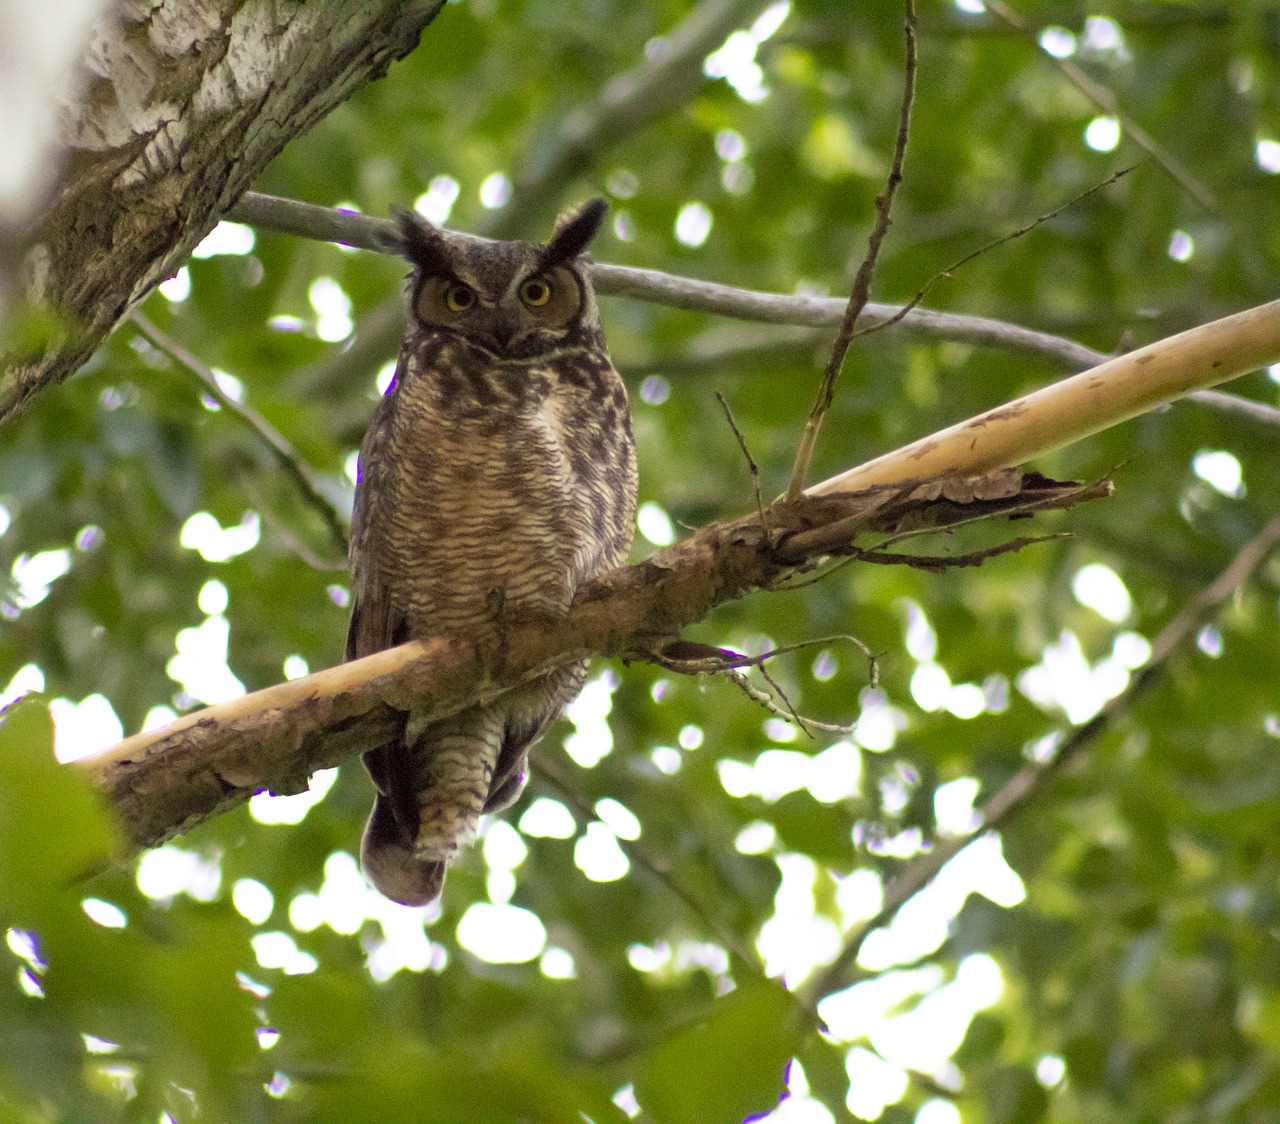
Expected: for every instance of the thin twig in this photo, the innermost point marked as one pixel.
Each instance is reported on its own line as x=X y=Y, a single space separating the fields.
x=1031 y=780
x=789 y=713
x=796 y=716
x=804 y=543
x=1105 y=100
x=639 y=854
x=752 y=467
x=1022 y=230
x=289 y=457
x=938 y=563
x=862 y=282
x=725 y=661
x=711 y=660
x=288 y=539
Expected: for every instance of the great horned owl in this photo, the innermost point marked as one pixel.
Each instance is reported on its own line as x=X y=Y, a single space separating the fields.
x=498 y=474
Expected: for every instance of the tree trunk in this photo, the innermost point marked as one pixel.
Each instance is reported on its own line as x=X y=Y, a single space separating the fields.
x=184 y=106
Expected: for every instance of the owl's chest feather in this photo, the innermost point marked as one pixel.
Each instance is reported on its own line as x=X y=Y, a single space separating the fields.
x=484 y=500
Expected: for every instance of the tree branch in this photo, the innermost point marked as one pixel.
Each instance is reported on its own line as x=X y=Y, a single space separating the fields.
x=324 y=224
x=1032 y=780
x=1105 y=100
x=165 y=781
x=669 y=75
x=861 y=291
x=627 y=104
x=1080 y=406
x=303 y=475
x=306 y=220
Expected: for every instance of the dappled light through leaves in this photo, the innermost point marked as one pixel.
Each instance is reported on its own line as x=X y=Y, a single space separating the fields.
x=1014 y=859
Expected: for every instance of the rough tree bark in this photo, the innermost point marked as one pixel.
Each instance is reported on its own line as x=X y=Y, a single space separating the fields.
x=184 y=106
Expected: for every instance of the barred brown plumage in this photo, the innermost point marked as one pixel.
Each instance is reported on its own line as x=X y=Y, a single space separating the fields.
x=498 y=474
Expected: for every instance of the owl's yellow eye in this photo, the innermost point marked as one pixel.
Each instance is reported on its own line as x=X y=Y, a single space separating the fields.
x=536 y=291
x=459 y=298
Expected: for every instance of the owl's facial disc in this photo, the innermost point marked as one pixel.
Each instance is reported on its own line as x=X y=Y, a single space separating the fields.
x=551 y=298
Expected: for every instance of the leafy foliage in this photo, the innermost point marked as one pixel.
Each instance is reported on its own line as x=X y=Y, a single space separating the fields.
x=1136 y=944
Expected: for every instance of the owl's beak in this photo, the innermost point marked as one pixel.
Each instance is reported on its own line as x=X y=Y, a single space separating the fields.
x=504 y=327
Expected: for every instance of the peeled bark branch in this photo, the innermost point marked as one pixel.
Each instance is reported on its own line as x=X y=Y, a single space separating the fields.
x=1073 y=409
x=166 y=781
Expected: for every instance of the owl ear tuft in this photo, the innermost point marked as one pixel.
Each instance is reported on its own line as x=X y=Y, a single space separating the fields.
x=574 y=230
x=422 y=242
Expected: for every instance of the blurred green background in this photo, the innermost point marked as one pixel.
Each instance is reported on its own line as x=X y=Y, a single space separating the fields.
x=1112 y=956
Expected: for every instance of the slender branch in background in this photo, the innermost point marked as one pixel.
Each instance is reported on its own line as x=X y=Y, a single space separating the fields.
x=325 y=224
x=669 y=75
x=1105 y=100
x=307 y=220
x=967 y=258
x=819 y=312
x=289 y=457
x=862 y=282
x=1032 y=780
x=639 y=854
x=1234 y=406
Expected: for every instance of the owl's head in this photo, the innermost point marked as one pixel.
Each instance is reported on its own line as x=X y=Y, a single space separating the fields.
x=514 y=299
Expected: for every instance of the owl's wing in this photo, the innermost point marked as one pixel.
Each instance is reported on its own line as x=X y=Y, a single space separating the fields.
x=375 y=623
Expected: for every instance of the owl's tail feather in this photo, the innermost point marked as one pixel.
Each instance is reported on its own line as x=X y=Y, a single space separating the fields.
x=432 y=788
x=391 y=864
x=452 y=769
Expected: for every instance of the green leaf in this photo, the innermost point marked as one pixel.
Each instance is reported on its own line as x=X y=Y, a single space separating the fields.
x=54 y=828
x=727 y=1065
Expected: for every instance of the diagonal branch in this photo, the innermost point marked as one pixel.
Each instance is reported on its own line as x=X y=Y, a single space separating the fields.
x=1105 y=100
x=1072 y=409
x=304 y=476
x=1032 y=780
x=165 y=781
x=861 y=292
x=639 y=854
x=669 y=75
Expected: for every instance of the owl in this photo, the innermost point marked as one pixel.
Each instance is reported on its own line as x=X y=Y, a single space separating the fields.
x=498 y=475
